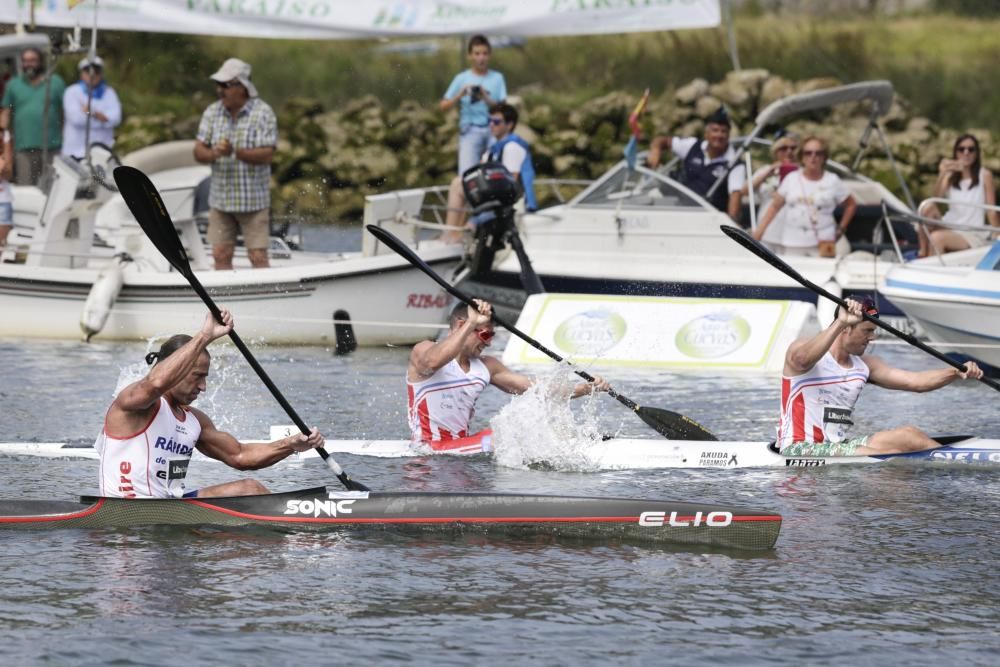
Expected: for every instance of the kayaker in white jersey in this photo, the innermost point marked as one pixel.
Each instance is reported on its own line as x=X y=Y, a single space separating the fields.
x=151 y=430
x=445 y=378
x=822 y=381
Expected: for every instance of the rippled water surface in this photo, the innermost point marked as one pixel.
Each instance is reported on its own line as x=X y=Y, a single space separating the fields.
x=887 y=564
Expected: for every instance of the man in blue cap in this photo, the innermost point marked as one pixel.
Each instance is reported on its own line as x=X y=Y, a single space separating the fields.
x=705 y=162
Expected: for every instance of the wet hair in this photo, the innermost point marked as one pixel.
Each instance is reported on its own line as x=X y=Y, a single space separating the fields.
x=460 y=312
x=479 y=40
x=169 y=346
x=977 y=166
x=868 y=307
x=508 y=112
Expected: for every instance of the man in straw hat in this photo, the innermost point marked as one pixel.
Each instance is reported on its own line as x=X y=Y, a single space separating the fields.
x=237 y=135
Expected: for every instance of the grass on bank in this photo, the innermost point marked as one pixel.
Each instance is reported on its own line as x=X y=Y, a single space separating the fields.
x=943 y=64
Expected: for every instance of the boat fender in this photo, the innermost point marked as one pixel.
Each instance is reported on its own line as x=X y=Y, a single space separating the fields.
x=826 y=308
x=101 y=298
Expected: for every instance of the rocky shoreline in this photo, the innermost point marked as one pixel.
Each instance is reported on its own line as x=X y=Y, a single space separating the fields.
x=329 y=159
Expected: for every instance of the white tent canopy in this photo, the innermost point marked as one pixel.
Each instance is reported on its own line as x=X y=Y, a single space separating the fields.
x=350 y=19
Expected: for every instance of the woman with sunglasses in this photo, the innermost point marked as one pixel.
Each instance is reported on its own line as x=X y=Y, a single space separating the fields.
x=962 y=180
x=445 y=378
x=812 y=194
x=766 y=181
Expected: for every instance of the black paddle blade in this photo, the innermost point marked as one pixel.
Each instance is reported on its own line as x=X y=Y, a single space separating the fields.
x=350 y=484
x=674 y=426
x=147 y=208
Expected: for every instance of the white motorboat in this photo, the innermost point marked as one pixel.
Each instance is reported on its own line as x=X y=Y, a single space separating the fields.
x=80 y=261
x=640 y=232
x=955 y=299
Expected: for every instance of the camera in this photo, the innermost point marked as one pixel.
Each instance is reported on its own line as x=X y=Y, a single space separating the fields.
x=475 y=93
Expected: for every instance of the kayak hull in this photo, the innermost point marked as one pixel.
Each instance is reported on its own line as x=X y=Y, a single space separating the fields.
x=620 y=520
x=613 y=454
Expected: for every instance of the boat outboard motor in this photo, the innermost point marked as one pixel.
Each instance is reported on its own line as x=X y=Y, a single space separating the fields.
x=491 y=190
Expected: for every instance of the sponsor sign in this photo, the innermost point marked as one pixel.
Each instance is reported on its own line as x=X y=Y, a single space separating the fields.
x=317 y=507
x=339 y=19
x=664 y=332
x=676 y=520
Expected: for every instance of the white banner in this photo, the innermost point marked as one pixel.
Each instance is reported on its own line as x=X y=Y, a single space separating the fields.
x=724 y=335
x=351 y=19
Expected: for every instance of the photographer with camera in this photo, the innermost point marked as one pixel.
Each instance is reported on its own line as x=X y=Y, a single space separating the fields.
x=475 y=90
x=508 y=149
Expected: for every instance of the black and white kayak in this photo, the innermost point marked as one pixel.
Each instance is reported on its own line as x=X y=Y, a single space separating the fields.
x=613 y=454
x=619 y=520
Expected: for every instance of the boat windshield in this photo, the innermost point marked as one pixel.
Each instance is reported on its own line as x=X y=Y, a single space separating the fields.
x=640 y=188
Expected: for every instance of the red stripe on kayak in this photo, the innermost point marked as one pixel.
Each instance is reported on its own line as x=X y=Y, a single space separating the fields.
x=600 y=519
x=58 y=517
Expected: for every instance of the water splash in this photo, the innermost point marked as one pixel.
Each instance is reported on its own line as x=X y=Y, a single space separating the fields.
x=540 y=430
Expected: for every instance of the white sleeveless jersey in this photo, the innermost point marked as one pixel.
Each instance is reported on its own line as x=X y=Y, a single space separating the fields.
x=817 y=405
x=151 y=463
x=442 y=406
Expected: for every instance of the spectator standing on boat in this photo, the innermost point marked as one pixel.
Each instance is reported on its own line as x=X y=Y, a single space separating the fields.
x=6 y=199
x=508 y=149
x=444 y=379
x=705 y=162
x=237 y=135
x=822 y=381
x=94 y=100
x=811 y=194
x=968 y=186
x=31 y=110
x=474 y=90
x=151 y=430
x=765 y=182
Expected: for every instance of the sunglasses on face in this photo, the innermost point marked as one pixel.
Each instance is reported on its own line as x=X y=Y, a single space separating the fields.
x=496 y=121
x=966 y=149
x=813 y=153
x=485 y=335
x=227 y=84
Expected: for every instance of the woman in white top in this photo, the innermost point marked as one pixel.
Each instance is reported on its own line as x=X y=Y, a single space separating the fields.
x=6 y=173
x=766 y=181
x=962 y=180
x=811 y=195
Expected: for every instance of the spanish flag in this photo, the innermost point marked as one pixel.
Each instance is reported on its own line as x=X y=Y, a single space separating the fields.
x=632 y=147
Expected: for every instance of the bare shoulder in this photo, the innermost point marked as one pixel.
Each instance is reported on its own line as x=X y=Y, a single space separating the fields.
x=493 y=365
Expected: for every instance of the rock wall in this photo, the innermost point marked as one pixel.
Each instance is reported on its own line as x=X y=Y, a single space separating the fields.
x=329 y=159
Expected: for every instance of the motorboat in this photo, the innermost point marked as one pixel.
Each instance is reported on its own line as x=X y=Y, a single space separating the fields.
x=955 y=299
x=78 y=264
x=639 y=231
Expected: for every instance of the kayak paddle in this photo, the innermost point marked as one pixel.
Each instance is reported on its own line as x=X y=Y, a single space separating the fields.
x=147 y=206
x=669 y=424
x=754 y=246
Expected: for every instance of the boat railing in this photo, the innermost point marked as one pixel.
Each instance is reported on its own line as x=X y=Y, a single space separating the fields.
x=407 y=213
x=920 y=220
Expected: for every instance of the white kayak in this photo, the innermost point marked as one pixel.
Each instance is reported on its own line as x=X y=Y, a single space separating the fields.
x=612 y=454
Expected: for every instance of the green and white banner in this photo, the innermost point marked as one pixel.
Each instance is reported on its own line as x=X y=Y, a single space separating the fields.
x=351 y=19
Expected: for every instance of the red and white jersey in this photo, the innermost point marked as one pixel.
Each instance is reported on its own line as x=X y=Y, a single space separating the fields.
x=442 y=406
x=817 y=405
x=151 y=463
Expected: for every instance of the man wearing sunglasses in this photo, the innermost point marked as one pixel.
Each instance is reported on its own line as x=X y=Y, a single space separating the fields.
x=237 y=135
x=822 y=381
x=444 y=379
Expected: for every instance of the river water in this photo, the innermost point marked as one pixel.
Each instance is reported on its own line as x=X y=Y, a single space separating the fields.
x=894 y=563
